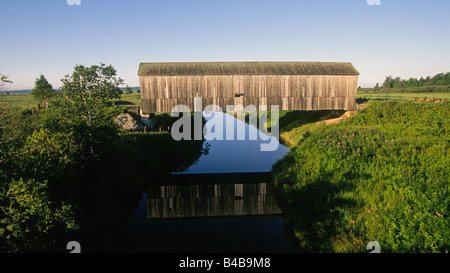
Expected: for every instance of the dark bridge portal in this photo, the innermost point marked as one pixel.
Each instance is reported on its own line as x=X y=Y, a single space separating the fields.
x=212 y=195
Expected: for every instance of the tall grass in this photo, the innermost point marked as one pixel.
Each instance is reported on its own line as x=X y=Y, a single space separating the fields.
x=382 y=176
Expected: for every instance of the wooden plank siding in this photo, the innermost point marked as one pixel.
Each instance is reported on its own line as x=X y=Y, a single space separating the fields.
x=160 y=93
x=290 y=85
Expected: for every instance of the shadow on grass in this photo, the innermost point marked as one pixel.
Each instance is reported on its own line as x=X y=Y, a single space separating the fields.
x=311 y=212
x=364 y=99
x=292 y=119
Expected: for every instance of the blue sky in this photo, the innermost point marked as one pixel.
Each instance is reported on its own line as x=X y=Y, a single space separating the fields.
x=405 y=38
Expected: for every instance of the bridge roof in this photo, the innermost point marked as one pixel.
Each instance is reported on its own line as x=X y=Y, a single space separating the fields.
x=247 y=68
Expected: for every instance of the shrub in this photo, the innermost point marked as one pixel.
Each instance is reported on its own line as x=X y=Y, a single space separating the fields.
x=29 y=220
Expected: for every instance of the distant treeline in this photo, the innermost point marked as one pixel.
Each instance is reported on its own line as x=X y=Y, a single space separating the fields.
x=438 y=83
x=438 y=80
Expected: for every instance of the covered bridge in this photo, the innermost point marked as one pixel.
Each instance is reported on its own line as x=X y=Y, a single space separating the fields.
x=290 y=85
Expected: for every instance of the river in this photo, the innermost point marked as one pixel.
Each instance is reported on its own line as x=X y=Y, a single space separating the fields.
x=224 y=202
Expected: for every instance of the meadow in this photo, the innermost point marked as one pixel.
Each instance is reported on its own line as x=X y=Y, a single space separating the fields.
x=25 y=100
x=401 y=96
x=381 y=175
x=17 y=100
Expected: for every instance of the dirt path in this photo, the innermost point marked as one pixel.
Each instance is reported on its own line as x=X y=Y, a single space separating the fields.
x=345 y=116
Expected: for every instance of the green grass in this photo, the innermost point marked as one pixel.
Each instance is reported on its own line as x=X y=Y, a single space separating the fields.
x=27 y=101
x=134 y=98
x=294 y=125
x=18 y=100
x=382 y=175
x=400 y=96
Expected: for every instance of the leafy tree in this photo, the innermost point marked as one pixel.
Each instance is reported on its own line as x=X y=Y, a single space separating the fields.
x=428 y=81
x=412 y=82
x=421 y=81
x=42 y=155
x=82 y=107
x=444 y=79
x=128 y=90
x=3 y=80
x=43 y=90
x=92 y=86
x=29 y=220
x=388 y=82
x=440 y=79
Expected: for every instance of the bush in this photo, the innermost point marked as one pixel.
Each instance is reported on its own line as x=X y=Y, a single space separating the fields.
x=55 y=145
x=29 y=220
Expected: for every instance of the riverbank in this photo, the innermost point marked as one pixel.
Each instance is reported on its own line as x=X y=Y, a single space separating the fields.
x=64 y=181
x=381 y=175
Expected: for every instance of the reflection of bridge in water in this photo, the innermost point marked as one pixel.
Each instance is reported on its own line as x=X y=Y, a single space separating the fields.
x=212 y=195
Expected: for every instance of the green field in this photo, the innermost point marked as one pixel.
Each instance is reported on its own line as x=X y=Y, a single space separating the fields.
x=18 y=100
x=134 y=98
x=402 y=96
x=27 y=101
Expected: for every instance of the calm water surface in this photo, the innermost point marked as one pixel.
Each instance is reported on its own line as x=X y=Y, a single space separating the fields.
x=219 y=204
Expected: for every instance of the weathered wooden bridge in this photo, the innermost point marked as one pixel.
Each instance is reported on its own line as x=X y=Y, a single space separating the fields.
x=290 y=85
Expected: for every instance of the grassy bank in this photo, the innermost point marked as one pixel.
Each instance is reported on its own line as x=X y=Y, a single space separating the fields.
x=57 y=186
x=381 y=175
